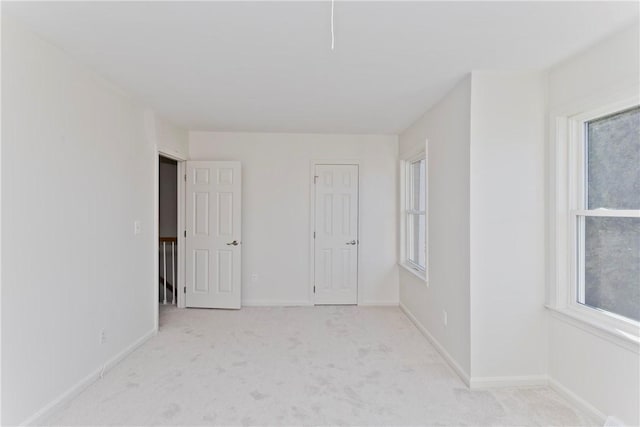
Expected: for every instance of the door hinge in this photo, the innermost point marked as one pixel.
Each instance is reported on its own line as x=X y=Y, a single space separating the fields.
x=314 y=234
x=315 y=179
x=184 y=290
x=185 y=233
x=314 y=289
x=185 y=177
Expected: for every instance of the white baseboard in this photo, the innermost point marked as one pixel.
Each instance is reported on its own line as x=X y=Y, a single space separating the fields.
x=282 y=303
x=379 y=304
x=576 y=400
x=513 y=381
x=39 y=417
x=443 y=352
x=275 y=303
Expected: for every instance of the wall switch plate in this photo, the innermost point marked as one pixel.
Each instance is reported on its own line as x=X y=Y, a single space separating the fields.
x=137 y=227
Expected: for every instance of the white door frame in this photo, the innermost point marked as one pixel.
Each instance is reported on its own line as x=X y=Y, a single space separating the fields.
x=156 y=231
x=312 y=222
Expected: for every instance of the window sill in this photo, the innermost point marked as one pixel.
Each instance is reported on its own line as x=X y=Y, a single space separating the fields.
x=419 y=274
x=609 y=332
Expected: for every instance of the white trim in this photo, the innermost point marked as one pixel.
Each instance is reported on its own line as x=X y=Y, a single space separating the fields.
x=416 y=155
x=606 y=109
x=611 y=323
x=379 y=304
x=561 y=180
x=443 y=352
x=594 y=100
x=156 y=240
x=402 y=223
x=181 y=277
x=287 y=303
x=173 y=156
x=622 y=213
x=312 y=221
x=420 y=274
x=416 y=152
x=40 y=417
x=567 y=147
x=276 y=303
x=415 y=212
x=597 y=416
x=475 y=383
x=597 y=327
x=479 y=383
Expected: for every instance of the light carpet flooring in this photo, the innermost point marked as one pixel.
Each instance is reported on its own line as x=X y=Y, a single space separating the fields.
x=299 y=366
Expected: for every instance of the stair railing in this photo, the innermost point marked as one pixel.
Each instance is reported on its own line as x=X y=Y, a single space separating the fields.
x=169 y=243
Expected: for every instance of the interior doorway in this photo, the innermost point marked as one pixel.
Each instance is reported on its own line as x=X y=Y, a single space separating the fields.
x=335 y=234
x=167 y=231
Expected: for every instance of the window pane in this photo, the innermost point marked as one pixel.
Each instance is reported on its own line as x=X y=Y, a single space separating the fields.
x=422 y=234
x=612 y=265
x=413 y=255
x=418 y=182
x=417 y=239
x=613 y=168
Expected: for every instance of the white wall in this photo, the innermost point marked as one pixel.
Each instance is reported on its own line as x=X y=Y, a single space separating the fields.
x=77 y=170
x=508 y=318
x=170 y=139
x=486 y=228
x=584 y=363
x=276 y=178
x=447 y=126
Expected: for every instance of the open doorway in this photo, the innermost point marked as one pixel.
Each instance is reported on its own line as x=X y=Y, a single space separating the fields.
x=167 y=231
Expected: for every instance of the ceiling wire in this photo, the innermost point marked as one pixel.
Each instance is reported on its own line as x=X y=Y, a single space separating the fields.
x=333 y=37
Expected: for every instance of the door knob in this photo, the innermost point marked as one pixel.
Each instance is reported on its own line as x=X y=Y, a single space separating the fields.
x=234 y=243
x=353 y=242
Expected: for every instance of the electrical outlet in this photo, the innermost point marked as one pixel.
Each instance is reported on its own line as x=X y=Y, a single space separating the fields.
x=254 y=278
x=103 y=336
x=444 y=317
x=137 y=227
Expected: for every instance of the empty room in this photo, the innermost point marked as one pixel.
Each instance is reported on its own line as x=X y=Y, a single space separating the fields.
x=319 y=213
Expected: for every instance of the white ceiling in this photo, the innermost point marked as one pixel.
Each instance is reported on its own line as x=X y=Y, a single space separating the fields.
x=267 y=66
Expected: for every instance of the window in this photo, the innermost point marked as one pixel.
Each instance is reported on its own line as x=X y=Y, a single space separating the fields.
x=415 y=213
x=606 y=213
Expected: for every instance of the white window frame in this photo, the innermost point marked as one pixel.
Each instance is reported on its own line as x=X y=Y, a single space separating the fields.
x=405 y=211
x=570 y=207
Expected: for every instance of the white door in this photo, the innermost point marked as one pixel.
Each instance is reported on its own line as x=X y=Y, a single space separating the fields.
x=213 y=235
x=336 y=234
